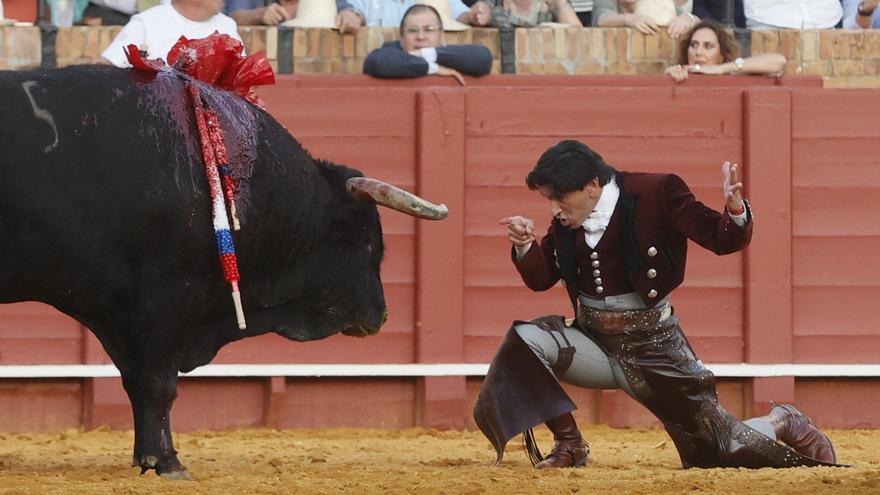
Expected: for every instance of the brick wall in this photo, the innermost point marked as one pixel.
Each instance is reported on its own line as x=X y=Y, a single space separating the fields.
x=19 y=47
x=844 y=58
x=82 y=45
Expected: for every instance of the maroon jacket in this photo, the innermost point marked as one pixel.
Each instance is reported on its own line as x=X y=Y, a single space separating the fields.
x=644 y=247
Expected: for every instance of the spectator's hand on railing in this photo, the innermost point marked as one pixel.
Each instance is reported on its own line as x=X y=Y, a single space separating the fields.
x=274 y=14
x=446 y=71
x=680 y=25
x=348 y=21
x=678 y=72
x=480 y=14
x=642 y=22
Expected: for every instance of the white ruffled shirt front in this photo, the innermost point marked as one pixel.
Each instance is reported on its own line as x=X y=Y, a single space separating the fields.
x=597 y=220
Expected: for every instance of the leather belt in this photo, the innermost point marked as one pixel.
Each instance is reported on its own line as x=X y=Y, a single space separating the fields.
x=617 y=322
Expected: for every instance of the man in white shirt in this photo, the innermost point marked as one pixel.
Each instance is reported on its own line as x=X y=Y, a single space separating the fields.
x=158 y=29
x=792 y=14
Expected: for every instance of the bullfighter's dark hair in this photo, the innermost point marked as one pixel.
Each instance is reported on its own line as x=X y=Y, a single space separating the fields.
x=568 y=166
x=415 y=9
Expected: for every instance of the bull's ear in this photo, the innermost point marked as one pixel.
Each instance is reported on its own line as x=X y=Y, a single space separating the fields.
x=395 y=198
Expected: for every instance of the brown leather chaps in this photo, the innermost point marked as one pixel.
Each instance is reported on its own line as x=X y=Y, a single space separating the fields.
x=519 y=393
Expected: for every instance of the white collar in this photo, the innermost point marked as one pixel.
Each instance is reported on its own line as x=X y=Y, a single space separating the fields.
x=608 y=198
x=604 y=207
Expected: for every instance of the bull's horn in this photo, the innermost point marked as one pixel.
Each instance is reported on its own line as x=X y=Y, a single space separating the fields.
x=395 y=198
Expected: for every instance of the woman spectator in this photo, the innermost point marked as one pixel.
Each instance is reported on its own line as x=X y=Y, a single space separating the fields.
x=709 y=49
x=532 y=13
x=636 y=14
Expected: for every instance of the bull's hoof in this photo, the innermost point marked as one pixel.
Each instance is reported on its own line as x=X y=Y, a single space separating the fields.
x=148 y=462
x=169 y=467
x=178 y=475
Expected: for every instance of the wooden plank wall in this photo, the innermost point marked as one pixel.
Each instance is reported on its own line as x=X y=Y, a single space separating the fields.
x=803 y=292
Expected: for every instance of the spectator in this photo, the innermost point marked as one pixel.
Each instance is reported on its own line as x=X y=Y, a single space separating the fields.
x=158 y=29
x=713 y=10
x=792 y=14
x=710 y=49
x=274 y=12
x=637 y=14
x=421 y=51
x=861 y=14
x=387 y=13
x=108 y=12
x=531 y=13
x=584 y=10
x=260 y=12
x=324 y=14
x=315 y=14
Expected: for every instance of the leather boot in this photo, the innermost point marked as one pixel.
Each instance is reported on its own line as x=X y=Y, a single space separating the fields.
x=570 y=449
x=797 y=431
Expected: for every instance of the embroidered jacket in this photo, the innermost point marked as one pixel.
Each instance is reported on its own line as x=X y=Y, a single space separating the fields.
x=643 y=249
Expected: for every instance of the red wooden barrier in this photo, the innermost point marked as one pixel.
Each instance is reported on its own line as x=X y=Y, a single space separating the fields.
x=803 y=292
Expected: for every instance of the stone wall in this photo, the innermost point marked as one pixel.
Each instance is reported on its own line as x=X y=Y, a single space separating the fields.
x=844 y=58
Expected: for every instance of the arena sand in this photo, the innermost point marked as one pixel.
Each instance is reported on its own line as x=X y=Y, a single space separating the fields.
x=414 y=461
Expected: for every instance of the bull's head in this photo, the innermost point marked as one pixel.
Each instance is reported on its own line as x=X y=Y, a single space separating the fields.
x=339 y=287
x=384 y=194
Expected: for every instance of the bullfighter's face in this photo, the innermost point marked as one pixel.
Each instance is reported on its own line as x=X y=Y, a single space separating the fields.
x=573 y=208
x=421 y=30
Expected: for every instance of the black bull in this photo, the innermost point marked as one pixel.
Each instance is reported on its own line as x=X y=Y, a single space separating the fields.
x=105 y=214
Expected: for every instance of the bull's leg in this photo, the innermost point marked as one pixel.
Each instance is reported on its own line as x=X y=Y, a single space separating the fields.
x=158 y=392
x=132 y=386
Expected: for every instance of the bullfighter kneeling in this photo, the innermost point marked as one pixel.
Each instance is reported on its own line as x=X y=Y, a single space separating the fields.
x=618 y=241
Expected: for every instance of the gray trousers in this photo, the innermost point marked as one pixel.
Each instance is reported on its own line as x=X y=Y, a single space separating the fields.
x=591 y=367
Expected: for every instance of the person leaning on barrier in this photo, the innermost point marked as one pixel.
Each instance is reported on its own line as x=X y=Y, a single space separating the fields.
x=619 y=241
x=861 y=14
x=260 y=12
x=420 y=51
x=388 y=13
x=107 y=12
x=792 y=14
x=714 y=10
x=710 y=49
x=532 y=13
x=272 y=13
x=647 y=16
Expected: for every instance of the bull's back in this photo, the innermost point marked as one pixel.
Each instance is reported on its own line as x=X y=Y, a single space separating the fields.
x=96 y=163
x=103 y=190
